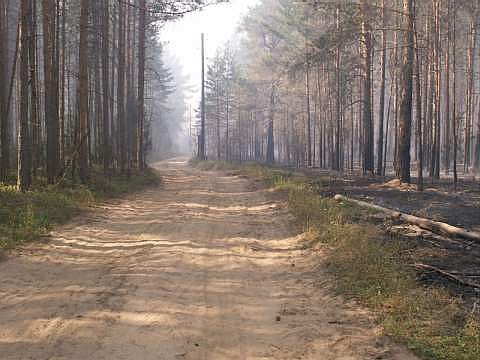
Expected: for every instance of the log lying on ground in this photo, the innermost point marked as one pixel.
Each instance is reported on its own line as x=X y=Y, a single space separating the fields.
x=447 y=275
x=427 y=224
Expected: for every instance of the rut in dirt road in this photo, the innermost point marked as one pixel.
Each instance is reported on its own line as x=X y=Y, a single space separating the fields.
x=208 y=266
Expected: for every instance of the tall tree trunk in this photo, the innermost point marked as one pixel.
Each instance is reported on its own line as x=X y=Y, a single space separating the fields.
x=201 y=140
x=63 y=50
x=83 y=92
x=470 y=95
x=406 y=91
x=34 y=107
x=309 y=115
x=4 y=153
x=419 y=112
x=141 y=85
x=368 y=150
x=454 y=91
x=438 y=104
x=131 y=104
x=97 y=97
x=476 y=162
x=51 y=89
x=381 y=117
x=121 y=73
x=24 y=146
x=270 y=132
x=113 y=126
x=447 y=150
x=106 y=86
x=227 y=130
x=338 y=113
x=217 y=117
x=436 y=90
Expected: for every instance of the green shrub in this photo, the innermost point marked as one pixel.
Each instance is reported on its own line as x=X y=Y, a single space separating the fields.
x=25 y=216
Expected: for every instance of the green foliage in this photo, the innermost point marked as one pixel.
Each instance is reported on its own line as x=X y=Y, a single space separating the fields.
x=25 y=216
x=372 y=267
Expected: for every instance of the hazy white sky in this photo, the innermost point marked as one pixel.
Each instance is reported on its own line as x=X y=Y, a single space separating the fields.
x=218 y=22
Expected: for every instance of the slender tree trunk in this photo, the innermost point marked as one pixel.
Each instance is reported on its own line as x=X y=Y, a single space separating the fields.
x=406 y=91
x=227 y=131
x=121 y=73
x=113 y=126
x=217 y=116
x=382 y=95
x=201 y=140
x=338 y=113
x=419 y=113
x=470 y=96
x=438 y=104
x=270 y=132
x=454 y=85
x=131 y=104
x=141 y=86
x=435 y=91
x=4 y=153
x=24 y=146
x=96 y=110
x=448 y=116
x=34 y=107
x=476 y=162
x=51 y=89
x=83 y=92
x=62 y=82
x=368 y=151
x=106 y=86
x=309 y=116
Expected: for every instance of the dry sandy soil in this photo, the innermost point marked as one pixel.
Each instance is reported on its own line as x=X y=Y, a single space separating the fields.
x=208 y=266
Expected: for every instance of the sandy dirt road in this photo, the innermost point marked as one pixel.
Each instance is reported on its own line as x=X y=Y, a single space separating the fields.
x=205 y=267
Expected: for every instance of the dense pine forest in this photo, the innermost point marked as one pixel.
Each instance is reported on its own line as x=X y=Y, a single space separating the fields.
x=83 y=85
x=388 y=87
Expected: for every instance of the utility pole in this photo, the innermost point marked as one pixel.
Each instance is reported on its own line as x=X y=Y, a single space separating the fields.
x=190 y=122
x=201 y=142
x=190 y=138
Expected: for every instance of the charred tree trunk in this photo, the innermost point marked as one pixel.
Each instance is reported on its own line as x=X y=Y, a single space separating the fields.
x=406 y=91
x=454 y=91
x=447 y=149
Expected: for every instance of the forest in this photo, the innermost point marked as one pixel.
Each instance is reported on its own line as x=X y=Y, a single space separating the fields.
x=388 y=87
x=240 y=179
x=82 y=86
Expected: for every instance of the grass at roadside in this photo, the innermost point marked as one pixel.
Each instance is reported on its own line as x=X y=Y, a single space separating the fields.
x=26 y=216
x=374 y=268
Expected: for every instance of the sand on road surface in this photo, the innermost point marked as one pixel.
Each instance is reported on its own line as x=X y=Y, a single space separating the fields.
x=207 y=266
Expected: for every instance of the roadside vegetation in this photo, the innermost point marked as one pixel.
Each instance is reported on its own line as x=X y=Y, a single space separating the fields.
x=25 y=216
x=375 y=268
